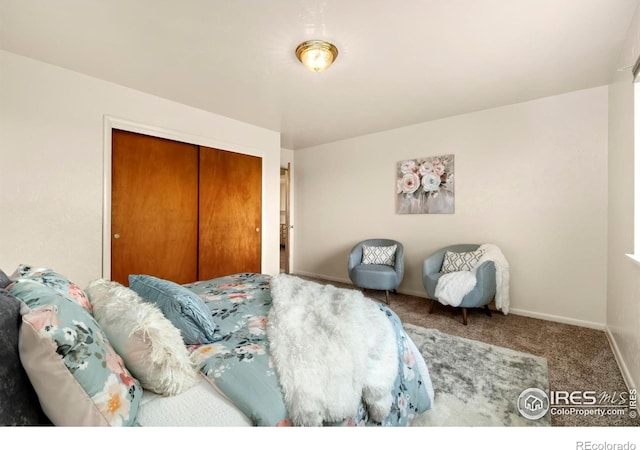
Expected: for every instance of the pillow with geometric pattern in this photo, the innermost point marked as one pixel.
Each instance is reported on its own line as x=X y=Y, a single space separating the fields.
x=379 y=255
x=460 y=261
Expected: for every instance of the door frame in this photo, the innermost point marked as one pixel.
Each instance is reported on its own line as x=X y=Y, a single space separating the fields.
x=110 y=123
x=287 y=221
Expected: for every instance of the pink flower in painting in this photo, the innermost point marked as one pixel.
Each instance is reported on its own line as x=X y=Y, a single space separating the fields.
x=284 y=423
x=408 y=166
x=410 y=183
x=425 y=168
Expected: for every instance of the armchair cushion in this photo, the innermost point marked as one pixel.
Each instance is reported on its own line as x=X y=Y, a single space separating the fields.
x=379 y=255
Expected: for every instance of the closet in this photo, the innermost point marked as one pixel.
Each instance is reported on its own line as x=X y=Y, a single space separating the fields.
x=183 y=212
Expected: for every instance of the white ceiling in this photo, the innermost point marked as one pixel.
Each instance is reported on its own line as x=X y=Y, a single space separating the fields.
x=400 y=62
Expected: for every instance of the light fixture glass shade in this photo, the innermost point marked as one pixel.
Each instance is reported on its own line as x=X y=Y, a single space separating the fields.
x=316 y=55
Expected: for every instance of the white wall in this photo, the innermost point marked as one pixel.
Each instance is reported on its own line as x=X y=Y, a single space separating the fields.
x=530 y=178
x=52 y=162
x=623 y=287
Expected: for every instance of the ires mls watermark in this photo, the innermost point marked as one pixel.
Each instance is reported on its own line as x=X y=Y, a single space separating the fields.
x=534 y=403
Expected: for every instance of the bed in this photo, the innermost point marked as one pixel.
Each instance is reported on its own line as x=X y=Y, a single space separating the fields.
x=241 y=382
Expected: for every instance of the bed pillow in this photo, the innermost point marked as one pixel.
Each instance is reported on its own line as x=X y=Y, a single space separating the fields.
x=18 y=401
x=150 y=345
x=55 y=281
x=79 y=379
x=460 y=261
x=4 y=280
x=182 y=307
x=379 y=255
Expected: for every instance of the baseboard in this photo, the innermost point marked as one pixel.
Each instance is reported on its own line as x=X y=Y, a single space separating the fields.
x=323 y=277
x=626 y=375
x=559 y=319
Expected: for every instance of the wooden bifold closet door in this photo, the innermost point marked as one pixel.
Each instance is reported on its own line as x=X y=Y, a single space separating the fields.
x=182 y=212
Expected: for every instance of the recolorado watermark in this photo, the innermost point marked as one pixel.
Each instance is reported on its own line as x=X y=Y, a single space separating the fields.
x=534 y=403
x=588 y=445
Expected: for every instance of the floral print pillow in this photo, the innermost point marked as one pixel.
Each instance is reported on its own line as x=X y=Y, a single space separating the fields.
x=79 y=378
x=54 y=280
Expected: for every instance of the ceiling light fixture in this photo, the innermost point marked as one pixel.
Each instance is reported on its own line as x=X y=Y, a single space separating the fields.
x=316 y=55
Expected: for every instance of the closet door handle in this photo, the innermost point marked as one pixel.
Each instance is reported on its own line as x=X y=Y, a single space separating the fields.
x=116 y=236
x=257 y=230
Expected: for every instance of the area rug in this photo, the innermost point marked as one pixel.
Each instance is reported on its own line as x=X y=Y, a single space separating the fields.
x=477 y=384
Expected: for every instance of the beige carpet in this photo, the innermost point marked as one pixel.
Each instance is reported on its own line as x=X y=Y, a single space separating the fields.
x=578 y=358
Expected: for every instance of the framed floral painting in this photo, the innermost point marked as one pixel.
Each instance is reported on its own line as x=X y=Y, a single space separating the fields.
x=425 y=185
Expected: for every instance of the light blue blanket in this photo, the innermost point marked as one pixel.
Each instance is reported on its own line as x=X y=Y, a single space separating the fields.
x=238 y=363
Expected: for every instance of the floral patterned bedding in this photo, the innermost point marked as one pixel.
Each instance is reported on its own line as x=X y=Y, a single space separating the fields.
x=238 y=363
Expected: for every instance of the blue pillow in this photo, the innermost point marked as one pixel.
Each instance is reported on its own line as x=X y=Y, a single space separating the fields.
x=183 y=308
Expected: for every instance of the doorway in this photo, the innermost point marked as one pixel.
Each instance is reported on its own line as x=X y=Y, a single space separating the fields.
x=285 y=219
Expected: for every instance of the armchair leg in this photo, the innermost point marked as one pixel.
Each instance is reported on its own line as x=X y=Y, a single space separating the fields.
x=464 y=316
x=432 y=307
x=487 y=311
x=386 y=294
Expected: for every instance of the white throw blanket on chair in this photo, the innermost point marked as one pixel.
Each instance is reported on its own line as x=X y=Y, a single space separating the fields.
x=493 y=253
x=453 y=286
x=331 y=349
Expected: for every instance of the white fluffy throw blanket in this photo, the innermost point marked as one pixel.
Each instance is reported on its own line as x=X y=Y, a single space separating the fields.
x=331 y=348
x=453 y=286
x=493 y=253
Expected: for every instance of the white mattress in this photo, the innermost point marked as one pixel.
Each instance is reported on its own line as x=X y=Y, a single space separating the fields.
x=200 y=406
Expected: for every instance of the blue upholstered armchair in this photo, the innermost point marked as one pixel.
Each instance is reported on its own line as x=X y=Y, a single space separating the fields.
x=481 y=295
x=366 y=274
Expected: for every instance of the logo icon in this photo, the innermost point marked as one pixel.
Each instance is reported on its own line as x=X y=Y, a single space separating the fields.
x=533 y=403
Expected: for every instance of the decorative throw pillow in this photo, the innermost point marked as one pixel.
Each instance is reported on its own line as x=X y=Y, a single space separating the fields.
x=183 y=308
x=379 y=255
x=460 y=261
x=55 y=281
x=18 y=401
x=79 y=378
x=150 y=345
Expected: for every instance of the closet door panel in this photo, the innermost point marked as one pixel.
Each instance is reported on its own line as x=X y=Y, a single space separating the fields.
x=154 y=208
x=230 y=213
